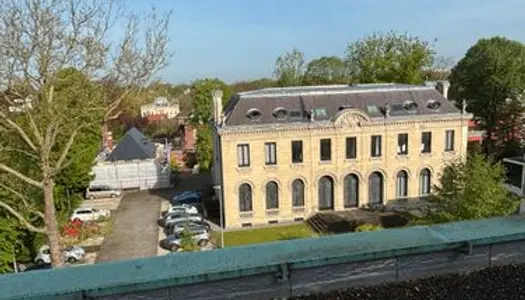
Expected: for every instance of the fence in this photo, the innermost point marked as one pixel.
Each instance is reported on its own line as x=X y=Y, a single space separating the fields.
x=141 y=174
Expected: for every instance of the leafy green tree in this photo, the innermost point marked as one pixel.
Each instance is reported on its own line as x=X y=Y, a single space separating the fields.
x=187 y=244
x=326 y=70
x=256 y=84
x=389 y=57
x=289 y=68
x=202 y=101
x=490 y=78
x=472 y=189
x=204 y=148
x=10 y=234
x=52 y=104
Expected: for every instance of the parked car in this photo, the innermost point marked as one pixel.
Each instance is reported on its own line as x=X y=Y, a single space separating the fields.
x=102 y=191
x=179 y=217
x=89 y=214
x=172 y=242
x=182 y=208
x=187 y=197
x=174 y=228
x=70 y=254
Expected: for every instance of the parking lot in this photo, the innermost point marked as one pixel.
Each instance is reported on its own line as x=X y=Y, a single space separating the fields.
x=134 y=233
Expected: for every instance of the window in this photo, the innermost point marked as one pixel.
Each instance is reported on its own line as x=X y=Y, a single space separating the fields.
x=326 y=193
x=376 y=146
x=297 y=151
x=375 y=188
x=243 y=155
x=245 y=197
x=402 y=184
x=402 y=144
x=272 y=195
x=351 y=191
x=326 y=151
x=449 y=140
x=426 y=142
x=270 y=150
x=298 y=193
x=351 y=147
x=424 y=182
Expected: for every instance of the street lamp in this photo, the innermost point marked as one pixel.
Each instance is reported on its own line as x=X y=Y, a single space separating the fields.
x=218 y=192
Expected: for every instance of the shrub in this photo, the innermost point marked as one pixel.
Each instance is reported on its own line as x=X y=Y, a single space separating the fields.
x=368 y=227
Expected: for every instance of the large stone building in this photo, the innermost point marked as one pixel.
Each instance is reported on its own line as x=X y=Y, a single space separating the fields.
x=282 y=154
x=160 y=108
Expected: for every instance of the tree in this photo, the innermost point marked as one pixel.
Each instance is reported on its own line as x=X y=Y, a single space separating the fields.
x=187 y=244
x=289 y=68
x=49 y=47
x=243 y=86
x=10 y=234
x=440 y=69
x=472 y=189
x=326 y=70
x=390 y=57
x=204 y=148
x=490 y=78
x=202 y=101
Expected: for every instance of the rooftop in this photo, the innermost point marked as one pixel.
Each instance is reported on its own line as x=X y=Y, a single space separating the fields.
x=323 y=103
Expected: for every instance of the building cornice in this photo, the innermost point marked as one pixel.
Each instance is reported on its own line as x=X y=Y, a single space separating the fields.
x=331 y=125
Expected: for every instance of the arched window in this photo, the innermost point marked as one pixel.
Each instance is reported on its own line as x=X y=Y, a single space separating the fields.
x=326 y=193
x=424 y=182
x=297 y=193
x=375 y=188
x=401 y=184
x=351 y=191
x=272 y=195
x=245 y=197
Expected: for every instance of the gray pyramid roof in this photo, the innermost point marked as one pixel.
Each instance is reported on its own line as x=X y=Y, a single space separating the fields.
x=133 y=145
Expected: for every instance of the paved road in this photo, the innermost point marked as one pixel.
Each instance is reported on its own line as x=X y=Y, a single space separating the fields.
x=135 y=230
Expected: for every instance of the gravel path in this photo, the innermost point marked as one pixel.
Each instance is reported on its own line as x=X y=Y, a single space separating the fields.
x=507 y=282
x=134 y=233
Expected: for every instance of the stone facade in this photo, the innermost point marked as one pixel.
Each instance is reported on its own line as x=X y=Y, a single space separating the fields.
x=396 y=173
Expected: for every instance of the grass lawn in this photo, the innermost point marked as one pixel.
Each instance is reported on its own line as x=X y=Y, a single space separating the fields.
x=262 y=235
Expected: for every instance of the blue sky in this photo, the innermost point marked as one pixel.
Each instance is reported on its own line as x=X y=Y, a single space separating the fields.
x=240 y=39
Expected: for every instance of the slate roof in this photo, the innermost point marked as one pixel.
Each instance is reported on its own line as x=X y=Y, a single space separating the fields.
x=326 y=101
x=133 y=145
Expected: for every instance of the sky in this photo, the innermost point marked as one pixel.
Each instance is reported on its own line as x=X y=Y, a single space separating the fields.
x=236 y=40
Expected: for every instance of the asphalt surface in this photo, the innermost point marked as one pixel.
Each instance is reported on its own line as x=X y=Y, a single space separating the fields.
x=496 y=283
x=134 y=232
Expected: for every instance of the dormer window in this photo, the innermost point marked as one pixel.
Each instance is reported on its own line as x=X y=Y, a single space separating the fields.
x=320 y=113
x=280 y=113
x=410 y=105
x=433 y=104
x=253 y=114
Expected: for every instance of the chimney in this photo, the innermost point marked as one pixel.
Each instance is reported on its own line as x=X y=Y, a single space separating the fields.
x=217 y=106
x=443 y=86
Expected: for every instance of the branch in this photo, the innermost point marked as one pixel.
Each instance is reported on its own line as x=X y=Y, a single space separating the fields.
x=24 y=199
x=70 y=142
x=20 y=151
x=20 y=131
x=21 y=176
x=21 y=219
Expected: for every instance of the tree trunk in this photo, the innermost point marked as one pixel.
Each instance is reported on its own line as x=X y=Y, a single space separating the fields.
x=53 y=235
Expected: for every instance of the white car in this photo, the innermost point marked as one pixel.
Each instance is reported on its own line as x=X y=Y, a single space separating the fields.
x=70 y=254
x=176 y=218
x=89 y=214
x=182 y=208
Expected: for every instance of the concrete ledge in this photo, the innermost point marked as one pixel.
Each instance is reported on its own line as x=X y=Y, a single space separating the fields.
x=288 y=267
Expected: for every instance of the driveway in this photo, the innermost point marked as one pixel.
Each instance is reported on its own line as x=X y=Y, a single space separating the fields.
x=134 y=232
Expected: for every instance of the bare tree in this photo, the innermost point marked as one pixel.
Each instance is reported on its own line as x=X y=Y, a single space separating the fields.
x=441 y=67
x=41 y=115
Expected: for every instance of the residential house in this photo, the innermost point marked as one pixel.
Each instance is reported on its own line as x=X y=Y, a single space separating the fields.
x=160 y=107
x=283 y=154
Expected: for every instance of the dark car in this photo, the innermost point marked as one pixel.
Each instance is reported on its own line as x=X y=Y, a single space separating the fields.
x=187 y=197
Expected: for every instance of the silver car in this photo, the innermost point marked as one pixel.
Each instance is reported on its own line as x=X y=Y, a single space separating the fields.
x=102 y=191
x=179 y=217
x=176 y=228
x=173 y=242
